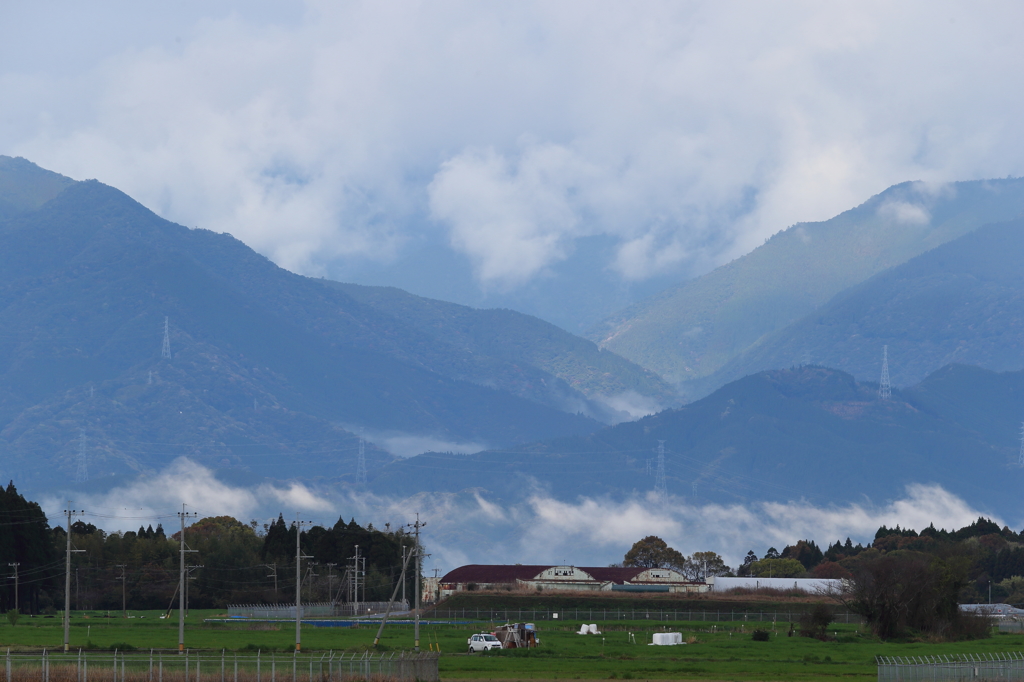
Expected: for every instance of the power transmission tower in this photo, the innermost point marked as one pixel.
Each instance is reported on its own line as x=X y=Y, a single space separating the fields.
x=1020 y=459
x=361 y=464
x=165 y=351
x=884 y=387
x=83 y=465
x=181 y=578
x=660 y=486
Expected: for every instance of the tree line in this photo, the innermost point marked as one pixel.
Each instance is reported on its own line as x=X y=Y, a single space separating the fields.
x=235 y=562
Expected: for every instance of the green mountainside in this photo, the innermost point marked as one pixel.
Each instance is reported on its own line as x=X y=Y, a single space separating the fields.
x=270 y=372
x=960 y=302
x=692 y=330
x=808 y=433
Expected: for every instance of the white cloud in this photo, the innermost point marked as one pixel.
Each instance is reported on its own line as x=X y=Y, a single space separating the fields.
x=467 y=527
x=685 y=132
x=195 y=486
x=904 y=213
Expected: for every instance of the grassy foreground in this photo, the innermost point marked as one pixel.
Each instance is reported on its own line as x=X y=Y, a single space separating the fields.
x=718 y=651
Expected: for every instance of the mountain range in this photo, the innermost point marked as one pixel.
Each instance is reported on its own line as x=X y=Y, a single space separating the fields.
x=128 y=341
x=805 y=433
x=267 y=370
x=689 y=332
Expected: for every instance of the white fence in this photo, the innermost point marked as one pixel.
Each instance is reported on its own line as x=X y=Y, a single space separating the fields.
x=191 y=666
x=951 y=668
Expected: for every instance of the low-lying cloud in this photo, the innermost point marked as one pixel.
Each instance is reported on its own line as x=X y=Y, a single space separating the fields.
x=343 y=132
x=468 y=527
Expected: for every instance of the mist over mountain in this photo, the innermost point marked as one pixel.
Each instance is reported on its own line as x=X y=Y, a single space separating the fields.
x=690 y=331
x=270 y=373
x=807 y=433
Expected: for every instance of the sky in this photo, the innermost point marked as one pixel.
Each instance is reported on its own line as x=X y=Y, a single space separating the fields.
x=561 y=158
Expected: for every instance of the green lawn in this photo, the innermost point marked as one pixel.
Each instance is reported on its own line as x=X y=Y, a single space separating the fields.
x=722 y=651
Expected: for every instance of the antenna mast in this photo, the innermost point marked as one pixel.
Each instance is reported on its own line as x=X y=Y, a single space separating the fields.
x=660 y=487
x=884 y=387
x=165 y=351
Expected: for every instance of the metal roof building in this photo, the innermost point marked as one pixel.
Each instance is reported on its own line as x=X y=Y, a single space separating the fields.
x=548 y=577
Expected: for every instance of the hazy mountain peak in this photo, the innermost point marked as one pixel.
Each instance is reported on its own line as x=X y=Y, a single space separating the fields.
x=24 y=186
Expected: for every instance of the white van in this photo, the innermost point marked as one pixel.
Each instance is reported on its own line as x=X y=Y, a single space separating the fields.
x=483 y=642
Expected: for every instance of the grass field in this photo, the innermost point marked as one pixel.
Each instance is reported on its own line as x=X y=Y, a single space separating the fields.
x=721 y=651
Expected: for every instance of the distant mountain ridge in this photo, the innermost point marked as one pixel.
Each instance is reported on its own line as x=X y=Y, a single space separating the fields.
x=961 y=302
x=803 y=434
x=689 y=332
x=270 y=371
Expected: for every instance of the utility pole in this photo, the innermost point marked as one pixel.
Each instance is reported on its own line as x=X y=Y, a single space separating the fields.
x=355 y=583
x=165 y=350
x=403 y=574
x=67 y=581
x=884 y=387
x=660 y=487
x=188 y=576
x=15 y=565
x=124 y=611
x=416 y=627
x=274 y=576
x=181 y=570
x=330 y=580
x=299 y=556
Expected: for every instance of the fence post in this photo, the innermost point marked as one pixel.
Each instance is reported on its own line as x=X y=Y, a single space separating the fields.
x=198 y=658
x=236 y=667
x=150 y=665
x=295 y=664
x=85 y=668
x=8 y=665
x=257 y=665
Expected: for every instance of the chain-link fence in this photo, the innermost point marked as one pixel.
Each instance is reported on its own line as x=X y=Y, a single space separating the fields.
x=314 y=610
x=594 y=615
x=191 y=666
x=951 y=668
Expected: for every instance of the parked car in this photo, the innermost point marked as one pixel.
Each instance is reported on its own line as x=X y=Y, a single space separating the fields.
x=483 y=642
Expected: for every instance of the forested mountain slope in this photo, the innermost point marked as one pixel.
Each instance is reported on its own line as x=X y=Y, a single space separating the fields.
x=270 y=372
x=690 y=331
x=807 y=433
x=961 y=302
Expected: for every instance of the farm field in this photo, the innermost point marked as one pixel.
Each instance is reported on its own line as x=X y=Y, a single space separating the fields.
x=718 y=651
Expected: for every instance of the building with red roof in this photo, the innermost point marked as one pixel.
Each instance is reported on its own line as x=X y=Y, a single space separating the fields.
x=548 y=577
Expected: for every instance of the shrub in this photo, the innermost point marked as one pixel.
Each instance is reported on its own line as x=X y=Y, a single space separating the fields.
x=12 y=616
x=815 y=622
x=761 y=635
